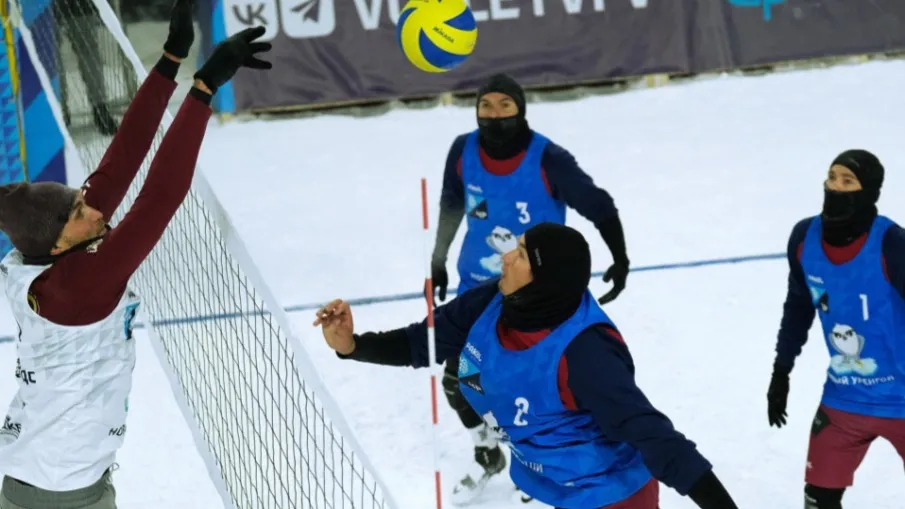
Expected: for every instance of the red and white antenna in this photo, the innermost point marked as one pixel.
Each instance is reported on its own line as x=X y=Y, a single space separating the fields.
x=435 y=370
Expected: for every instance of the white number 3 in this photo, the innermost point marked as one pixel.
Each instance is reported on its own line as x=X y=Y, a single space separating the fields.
x=523 y=217
x=521 y=405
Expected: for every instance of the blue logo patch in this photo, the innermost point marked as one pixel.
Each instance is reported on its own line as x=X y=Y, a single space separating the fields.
x=467 y=368
x=476 y=206
x=129 y=318
x=765 y=5
x=470 y=374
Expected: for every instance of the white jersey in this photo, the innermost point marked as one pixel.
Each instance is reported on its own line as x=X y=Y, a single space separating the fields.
x=68 y=417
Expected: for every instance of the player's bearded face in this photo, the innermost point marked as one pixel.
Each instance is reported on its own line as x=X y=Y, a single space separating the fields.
x=84 y=223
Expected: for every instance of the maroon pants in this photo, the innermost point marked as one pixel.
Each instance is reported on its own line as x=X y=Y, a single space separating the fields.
x=839 y=441
x=648 y=497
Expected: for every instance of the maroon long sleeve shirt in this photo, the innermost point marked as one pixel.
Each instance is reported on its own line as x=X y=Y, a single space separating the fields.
x=84 y=287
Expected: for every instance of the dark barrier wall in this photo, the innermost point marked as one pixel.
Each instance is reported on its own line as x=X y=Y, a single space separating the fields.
x=739 y=33
x=337 y=51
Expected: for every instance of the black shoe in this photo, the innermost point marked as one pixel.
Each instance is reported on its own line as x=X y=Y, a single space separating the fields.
x=491 y=461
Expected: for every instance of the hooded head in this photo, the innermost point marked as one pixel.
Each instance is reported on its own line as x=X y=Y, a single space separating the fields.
x=501 y=117
x=44 y=219
x=545 y=278
x=851 y=191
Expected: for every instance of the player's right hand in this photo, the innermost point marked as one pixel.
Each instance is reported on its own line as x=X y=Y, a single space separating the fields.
x=182 y=29
x=777 y=396
x=335 y=320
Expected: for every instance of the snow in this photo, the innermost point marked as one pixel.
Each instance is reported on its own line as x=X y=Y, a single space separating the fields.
x=330 y=207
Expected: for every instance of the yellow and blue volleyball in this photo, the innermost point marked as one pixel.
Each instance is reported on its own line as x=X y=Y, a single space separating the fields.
x=436 y=35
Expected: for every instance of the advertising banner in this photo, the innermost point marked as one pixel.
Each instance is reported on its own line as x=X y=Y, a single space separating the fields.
x=336 y=51
x=742 y=33
x=330 y=52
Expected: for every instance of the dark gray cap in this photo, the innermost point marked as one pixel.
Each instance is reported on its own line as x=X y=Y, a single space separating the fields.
x=33 y=215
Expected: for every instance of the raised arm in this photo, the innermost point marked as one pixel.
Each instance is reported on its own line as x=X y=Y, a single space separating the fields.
x=105 y=188
x=169 y=179
x=90 y=282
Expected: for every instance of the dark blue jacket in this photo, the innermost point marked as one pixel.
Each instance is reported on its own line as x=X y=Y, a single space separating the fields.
x=798 y=310
x=601 y=378
x=567 y=182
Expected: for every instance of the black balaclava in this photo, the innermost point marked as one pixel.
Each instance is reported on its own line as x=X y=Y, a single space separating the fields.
x=502 y=138
x=848 y=215
x=561 y=266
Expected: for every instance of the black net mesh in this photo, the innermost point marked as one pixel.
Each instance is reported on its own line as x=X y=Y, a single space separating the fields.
x=96 y=81
x=268 y=433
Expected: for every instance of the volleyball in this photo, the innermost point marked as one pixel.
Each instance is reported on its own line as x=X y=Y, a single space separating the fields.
x=436 y=35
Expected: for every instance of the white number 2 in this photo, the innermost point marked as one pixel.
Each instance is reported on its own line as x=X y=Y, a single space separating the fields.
x=864 y=311
x=521 y=405
x=523 y=217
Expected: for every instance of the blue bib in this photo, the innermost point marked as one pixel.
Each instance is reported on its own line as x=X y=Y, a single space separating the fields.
x=500 y=208
x=863 y=320
x=560 y=456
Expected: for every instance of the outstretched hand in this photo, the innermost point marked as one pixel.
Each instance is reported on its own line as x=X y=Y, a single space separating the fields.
x=335 y=320
x=237 y=51
x=182 y=29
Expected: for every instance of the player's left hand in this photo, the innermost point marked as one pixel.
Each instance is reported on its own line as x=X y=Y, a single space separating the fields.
x=239 y=50
x=617 y=273
x=778 y=396
x=182 y=29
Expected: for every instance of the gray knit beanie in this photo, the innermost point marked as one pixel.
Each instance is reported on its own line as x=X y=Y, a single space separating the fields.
x=32 y=215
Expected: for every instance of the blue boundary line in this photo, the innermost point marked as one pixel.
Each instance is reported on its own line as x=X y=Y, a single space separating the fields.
x=382 y=299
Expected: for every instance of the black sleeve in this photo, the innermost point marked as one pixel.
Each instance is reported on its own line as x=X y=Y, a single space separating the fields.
x=408 y=346
x=611 y=231
x=709 y=493
x=452 y=203
x=798 y=310
x=569 y=183
x=390 y=348
x=894 y=256
x=452 y=323
x=602 y=379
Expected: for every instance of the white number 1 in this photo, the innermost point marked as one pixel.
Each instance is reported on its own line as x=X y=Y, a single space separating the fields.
x=523 y=217
x=864 y=306
x=521 y=405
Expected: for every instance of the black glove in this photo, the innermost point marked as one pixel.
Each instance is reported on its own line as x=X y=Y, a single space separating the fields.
x=440 y=280
x=232 y=54
x=617 y=273
x=182 y=29
x=778 y=395
x=709 y=493
x=611 y=231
